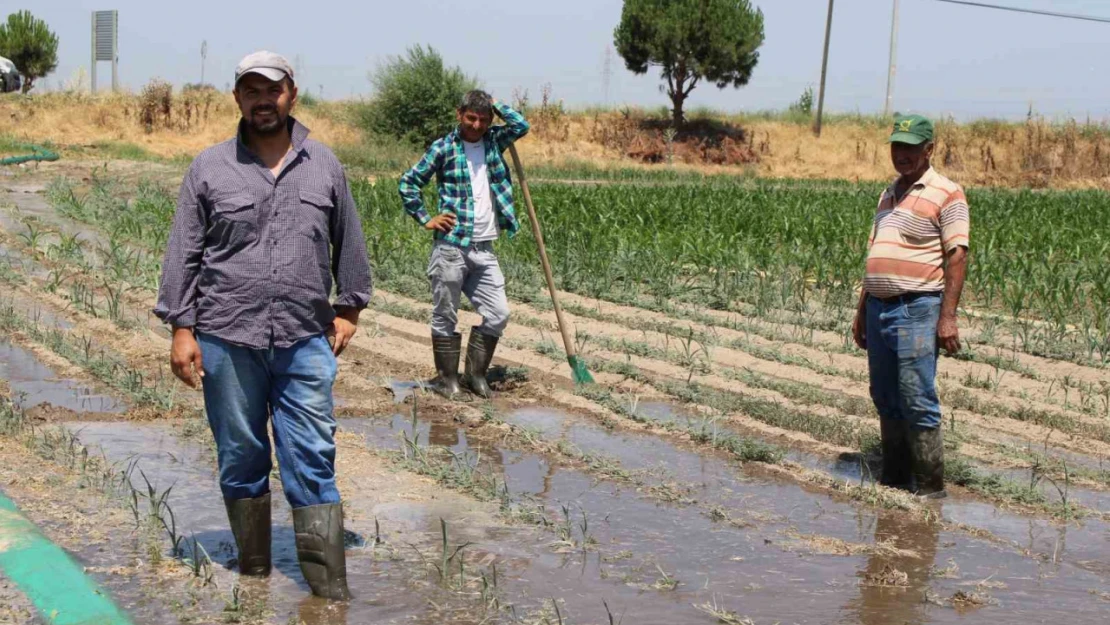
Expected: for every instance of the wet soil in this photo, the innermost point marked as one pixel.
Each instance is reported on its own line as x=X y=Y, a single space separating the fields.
x=741 y=552
x=650 y=523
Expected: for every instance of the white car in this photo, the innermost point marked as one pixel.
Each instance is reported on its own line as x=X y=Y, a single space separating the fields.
x=10 y=80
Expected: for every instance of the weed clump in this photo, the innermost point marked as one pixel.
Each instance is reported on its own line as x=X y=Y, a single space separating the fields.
x=156 y=105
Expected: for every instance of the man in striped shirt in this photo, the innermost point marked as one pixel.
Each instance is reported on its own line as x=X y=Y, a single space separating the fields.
x=916 y=264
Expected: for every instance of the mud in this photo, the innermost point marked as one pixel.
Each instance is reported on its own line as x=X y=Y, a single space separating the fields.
x=14 y=607
x=743 y=555
x=744 y=559
x=387 y=590
x=29 y=200
x=737 y=358
x=648 y=522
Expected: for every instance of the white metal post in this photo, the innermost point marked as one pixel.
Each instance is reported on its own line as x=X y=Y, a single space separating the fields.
x=888 y=106
x=92 y=65
x=115 y=50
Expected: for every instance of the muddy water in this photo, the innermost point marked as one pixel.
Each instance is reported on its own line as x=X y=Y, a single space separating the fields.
x=33 y=384
x=1089 y=539
x=198 y=507
x=30 y=202
x=748 y=569
x=1098 y=500
x=1094 y=463
x=20 y=263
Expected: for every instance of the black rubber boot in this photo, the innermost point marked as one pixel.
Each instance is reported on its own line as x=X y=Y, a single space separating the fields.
x=250 y=523
x=479 y=354
x=897 y=461
x=445 y=350
x=927 y=451
x=319 y=538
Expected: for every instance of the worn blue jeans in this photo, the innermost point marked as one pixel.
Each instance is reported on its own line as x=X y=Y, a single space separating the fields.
x=243 y=388
x=902 y=358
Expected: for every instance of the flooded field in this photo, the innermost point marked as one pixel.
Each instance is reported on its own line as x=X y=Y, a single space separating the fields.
x=721 y=471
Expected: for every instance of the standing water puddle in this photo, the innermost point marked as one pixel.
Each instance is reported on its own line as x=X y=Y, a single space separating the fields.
x=643 y=546
x=33 y=383
x=1040 y=536
x=383 y=589
x=749 y=565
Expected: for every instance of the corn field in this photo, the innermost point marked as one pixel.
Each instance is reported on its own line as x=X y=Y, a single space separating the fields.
x=731 y=413
x=785 y=250
x=1038 y=263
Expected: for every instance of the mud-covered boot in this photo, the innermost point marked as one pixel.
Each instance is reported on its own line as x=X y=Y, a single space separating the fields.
x=319 y=538
x=250 y=523
x=896 y=454
x=445 y=350
x=479 y=354
x=927 y=450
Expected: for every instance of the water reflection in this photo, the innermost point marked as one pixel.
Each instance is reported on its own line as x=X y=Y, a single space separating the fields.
x=914 y=555
x=316 y=611
x=33 y=383
x=445 y=435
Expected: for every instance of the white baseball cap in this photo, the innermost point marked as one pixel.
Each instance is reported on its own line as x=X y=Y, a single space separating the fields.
x=269 y=64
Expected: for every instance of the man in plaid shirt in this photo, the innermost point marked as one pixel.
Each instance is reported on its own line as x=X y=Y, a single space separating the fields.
x=475 y=205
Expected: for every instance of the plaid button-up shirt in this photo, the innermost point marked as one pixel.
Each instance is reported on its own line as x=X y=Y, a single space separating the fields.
x=446 y=160
x=251 y=256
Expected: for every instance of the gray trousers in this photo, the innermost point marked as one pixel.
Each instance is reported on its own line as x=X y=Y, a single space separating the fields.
x=474 y=271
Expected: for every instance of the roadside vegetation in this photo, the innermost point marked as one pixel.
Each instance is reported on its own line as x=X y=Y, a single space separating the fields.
x=590 y=143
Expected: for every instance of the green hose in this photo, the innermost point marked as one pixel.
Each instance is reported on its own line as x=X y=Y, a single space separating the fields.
x=38 y=153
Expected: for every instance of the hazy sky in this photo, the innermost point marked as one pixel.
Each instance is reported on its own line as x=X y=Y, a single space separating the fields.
x=952 y=60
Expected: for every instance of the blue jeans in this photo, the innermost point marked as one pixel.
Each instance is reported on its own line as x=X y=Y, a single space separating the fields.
x=902 y=358
x=243 y=387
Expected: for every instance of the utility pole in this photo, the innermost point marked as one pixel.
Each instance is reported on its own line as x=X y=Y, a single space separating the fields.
x=92 y=65
x=893 y=56
x=203 y=56
x=824 y=73
x=607 y=72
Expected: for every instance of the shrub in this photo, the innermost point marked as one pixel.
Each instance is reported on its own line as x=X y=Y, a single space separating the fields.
x=306 y=99
x=196 y=103
x=156 y=104
x=804 y=104
x=416 y=96
x=550 y=120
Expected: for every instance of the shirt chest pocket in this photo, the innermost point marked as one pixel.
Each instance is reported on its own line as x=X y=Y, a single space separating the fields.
x=314 y=217
x=456 y=173
x=234 y=219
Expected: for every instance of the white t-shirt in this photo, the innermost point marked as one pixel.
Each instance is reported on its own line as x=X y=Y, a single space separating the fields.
x=485 y=222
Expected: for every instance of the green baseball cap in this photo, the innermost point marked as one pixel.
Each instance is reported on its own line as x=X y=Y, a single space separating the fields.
x=911 y=129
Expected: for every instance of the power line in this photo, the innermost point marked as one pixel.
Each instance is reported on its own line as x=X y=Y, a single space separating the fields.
x=1073 y=16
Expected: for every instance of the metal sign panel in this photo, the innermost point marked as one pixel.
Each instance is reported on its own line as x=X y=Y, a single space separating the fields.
x=105 y=25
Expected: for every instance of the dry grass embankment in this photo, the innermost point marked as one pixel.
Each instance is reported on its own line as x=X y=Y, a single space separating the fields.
x=158 y=125
x=119 y=123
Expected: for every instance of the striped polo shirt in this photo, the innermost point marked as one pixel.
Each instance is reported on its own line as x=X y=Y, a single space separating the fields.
x=910 y=238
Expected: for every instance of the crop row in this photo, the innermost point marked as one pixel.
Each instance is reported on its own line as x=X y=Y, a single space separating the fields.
x=761 y=247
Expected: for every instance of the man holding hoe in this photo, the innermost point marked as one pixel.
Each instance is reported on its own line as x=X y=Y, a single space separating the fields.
x=907 y=310
x=263 y=223
x=475 y=204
